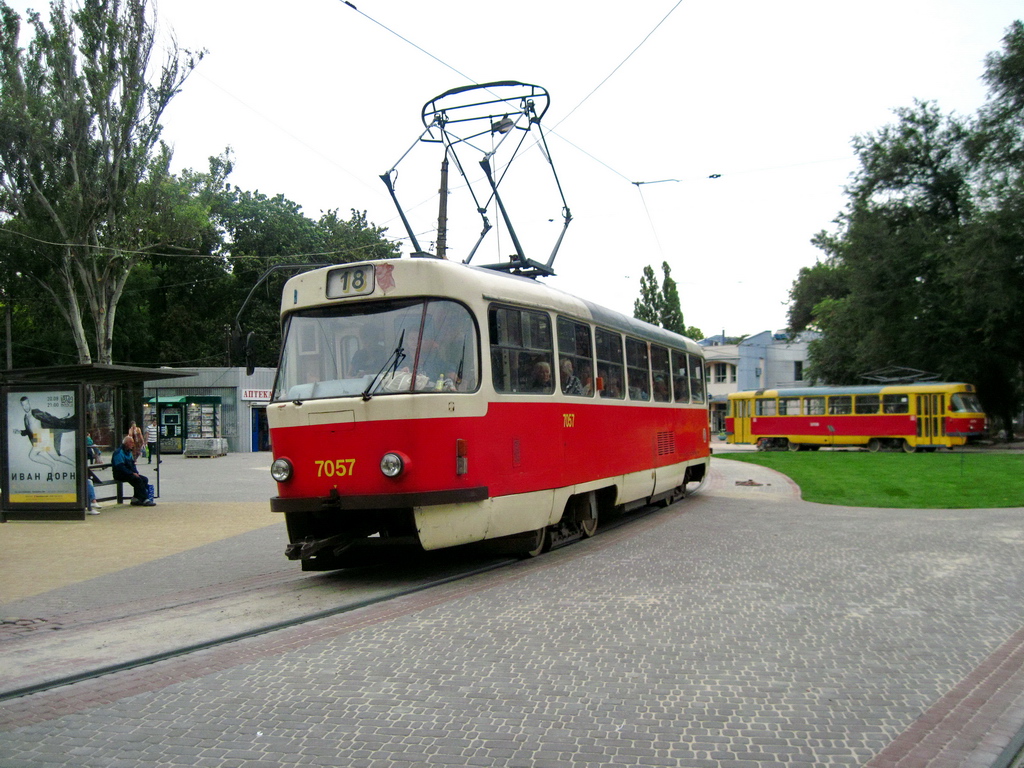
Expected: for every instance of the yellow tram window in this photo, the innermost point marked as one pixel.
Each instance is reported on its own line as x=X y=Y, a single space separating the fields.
x=814 y=406
x=895 y=404
x=789 y=406
x=840 y=404
x=866 y=403
x=961 y=402
x=764 y=406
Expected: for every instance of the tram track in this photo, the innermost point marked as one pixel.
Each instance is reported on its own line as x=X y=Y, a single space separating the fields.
x=263 y=629
x=126 y=637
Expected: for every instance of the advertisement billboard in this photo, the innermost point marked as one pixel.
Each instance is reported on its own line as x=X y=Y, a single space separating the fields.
x=45 y=442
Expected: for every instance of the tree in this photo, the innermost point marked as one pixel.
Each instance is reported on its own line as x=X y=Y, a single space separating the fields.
x=659 y=305
x=82 y=170
x=883 y=295
x=649 y=306
x=926 y=267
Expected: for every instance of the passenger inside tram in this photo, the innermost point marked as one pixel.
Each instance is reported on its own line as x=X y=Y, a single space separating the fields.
x=541 y=381
x=571 y=384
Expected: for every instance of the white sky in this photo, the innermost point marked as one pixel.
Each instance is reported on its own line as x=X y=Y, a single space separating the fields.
x=317 y=100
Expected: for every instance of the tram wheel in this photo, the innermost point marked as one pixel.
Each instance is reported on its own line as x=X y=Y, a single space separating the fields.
x=874 y=445
x=908 y=448
x=541 y=544
x=793 y=446
x=585 y=513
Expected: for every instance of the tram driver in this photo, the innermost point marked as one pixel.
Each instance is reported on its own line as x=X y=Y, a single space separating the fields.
x=370 y=356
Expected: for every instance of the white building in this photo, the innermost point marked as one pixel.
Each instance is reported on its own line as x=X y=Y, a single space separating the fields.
x=763 y=361
x=216 y=402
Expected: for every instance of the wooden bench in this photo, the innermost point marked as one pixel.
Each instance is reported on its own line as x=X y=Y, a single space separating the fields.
x=98 y=483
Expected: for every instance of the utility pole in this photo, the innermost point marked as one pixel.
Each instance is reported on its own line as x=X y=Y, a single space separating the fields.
x=442 y=211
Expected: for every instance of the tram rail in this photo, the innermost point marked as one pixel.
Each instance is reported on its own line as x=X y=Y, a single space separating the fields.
x=85 y=632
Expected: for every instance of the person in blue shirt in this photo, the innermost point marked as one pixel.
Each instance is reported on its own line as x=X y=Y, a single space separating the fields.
x=124 y=470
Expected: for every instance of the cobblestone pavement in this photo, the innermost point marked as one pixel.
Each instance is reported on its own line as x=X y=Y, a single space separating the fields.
x=740 y=628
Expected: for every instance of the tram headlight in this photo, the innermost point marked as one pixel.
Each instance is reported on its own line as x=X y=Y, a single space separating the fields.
x=281 y=470
x=392 y=464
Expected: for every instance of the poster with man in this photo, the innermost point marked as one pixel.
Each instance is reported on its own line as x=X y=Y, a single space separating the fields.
x=43 y=435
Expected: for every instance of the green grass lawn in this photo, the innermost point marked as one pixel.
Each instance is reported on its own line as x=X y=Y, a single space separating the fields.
x=900 y=480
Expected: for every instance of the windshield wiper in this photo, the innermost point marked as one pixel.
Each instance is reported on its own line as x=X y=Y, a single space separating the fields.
x=394 y=360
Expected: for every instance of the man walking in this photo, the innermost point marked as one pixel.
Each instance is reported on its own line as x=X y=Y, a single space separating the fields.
x=151 y=434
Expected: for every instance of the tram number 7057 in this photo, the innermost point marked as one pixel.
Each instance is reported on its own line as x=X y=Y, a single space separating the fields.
x=335 y=467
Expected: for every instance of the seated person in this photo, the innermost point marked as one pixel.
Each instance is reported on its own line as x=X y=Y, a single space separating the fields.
x=124 y=470
x=92 y=450
x=571 y=384
x=541 y=381
x=370 y=357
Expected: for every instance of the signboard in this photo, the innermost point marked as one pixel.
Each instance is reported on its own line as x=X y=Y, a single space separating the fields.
x=257 y=394
x=44 y=461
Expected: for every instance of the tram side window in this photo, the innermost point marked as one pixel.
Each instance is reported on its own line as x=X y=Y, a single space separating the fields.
x=789 y=406
x=764 y=406
x=680 y=376
x=522 y=352
x=866 y=403
x=895 y=404
x=840 y=405
x=814 y=406
x=662 y=374
x=609 y=363
x=637 y=370
x=575 y=358
x=696 y=379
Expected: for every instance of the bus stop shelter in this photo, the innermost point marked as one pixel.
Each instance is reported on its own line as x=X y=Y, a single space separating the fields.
x=46 y=415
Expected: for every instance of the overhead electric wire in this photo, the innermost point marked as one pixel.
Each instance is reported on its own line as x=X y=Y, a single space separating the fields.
x=620 y=64
x=410 y=42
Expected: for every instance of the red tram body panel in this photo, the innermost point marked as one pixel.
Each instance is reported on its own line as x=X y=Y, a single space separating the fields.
x=905 y=417
x=493 y=407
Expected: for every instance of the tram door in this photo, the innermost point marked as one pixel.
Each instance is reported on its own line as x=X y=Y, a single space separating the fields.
x=741 y=420
x=930 y=419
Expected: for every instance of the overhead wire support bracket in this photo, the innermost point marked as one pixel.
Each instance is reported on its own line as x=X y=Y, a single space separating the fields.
x=457 y=119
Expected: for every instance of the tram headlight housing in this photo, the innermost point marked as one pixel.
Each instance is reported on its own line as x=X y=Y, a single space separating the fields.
x=281 y=470
x=392 y=464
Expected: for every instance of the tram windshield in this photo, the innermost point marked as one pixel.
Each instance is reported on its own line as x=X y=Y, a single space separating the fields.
x=961 y=402
x=380 y=348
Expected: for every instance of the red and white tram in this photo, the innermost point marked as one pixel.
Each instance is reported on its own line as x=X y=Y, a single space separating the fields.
x=424 y=400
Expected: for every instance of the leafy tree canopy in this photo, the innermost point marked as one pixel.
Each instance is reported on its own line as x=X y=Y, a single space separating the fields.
x=926 y=266
x=83 y=174
x=659 y=304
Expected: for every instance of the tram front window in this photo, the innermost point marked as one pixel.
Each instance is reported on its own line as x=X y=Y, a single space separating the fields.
x=964 y=403
x=424 y=345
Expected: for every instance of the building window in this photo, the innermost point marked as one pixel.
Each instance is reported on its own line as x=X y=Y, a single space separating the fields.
x=721 y=371
x=798 y=370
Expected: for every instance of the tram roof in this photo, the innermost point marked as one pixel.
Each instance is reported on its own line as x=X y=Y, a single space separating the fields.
x=495 y=285
x=865 y=389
